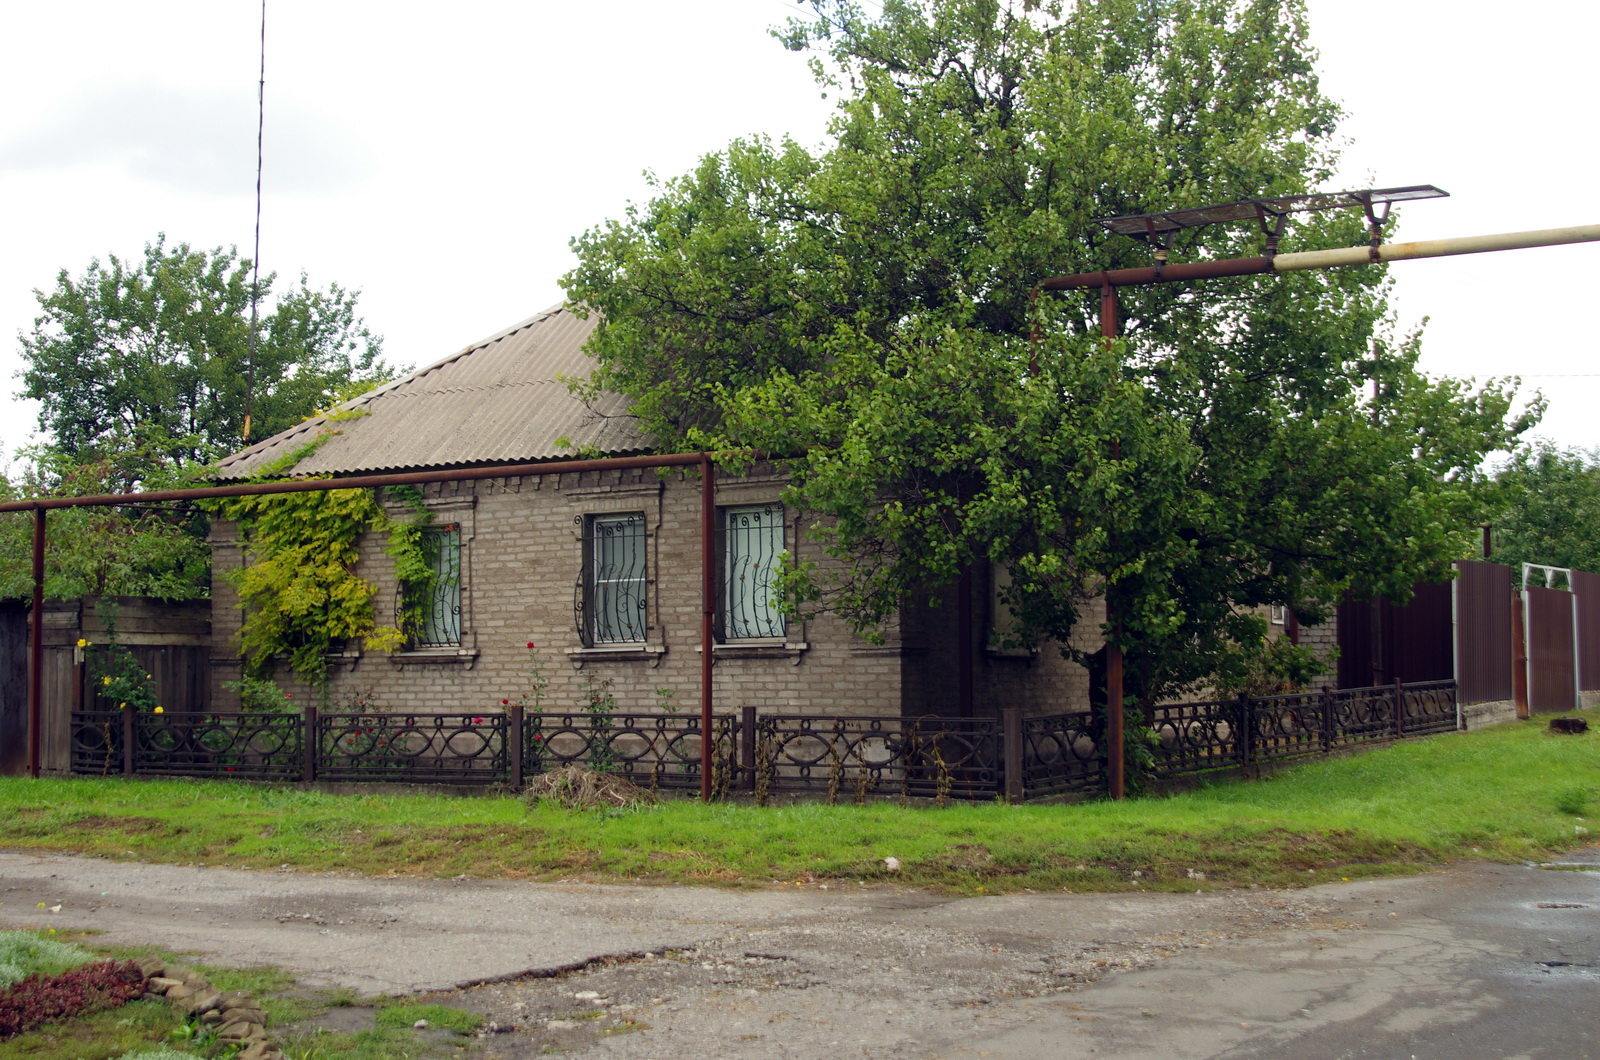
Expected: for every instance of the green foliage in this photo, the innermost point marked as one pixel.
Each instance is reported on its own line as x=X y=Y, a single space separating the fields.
x=302 y=598
x=1250 y=441
x=1551 y=511
x=156 y=351
x=105 y=551
x=261 y=695
x=25 y=953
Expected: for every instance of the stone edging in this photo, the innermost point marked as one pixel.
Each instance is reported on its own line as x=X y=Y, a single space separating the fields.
x=237 y=1016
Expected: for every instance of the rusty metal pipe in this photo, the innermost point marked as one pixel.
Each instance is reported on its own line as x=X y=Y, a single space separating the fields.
x=1116 y=748
x=398 y=478
x=36 y=648
x=1194 y=270
x=708 y=607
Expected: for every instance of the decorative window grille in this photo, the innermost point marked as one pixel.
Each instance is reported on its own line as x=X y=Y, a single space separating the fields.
x=752 y=541
x=436 y=604
x=612 y=604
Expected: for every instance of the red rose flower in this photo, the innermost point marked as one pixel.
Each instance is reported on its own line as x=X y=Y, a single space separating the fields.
x=505 y=702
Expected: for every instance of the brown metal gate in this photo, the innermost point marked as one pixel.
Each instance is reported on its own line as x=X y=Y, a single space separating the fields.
x=1552 y=659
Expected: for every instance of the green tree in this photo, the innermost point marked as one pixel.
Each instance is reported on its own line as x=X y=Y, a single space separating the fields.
x=154 y=354
x=1250 y=441
x=1551 y=512
x=103 y=551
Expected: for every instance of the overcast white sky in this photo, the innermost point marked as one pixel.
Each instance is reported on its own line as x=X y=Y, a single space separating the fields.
x=439 y=158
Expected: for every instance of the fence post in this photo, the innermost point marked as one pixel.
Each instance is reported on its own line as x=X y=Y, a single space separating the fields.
x=1011 y=752
x=1247 y=736
x=308 y=769
x=1399 y=709
x=1327 y=720
x=747 y=747
x=129 y=734
x=514 y=734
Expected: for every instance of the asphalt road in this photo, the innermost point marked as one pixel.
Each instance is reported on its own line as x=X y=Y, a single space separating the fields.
x=1473 y=962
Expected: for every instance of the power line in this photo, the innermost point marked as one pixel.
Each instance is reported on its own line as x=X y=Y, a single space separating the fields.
x=255 y=258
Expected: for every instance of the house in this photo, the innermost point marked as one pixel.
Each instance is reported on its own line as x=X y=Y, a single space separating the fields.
x=601 y=570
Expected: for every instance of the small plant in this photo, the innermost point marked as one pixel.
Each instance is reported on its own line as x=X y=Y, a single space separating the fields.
x=114 y=673
x=43 y=999
x=532 y=700
x=261 y=695
x=358 y=701
x=664 y=703
x=601 y=706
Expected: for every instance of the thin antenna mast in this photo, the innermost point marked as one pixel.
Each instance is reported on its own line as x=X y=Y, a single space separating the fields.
x=255 y=258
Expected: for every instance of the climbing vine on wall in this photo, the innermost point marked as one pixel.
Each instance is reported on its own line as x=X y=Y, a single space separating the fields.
x=302 y=598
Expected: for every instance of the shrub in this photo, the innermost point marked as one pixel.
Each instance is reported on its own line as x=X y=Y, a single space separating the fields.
x=41 y=999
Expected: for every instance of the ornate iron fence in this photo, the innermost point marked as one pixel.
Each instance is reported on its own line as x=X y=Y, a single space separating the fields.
x=1061 y=753
x=652 y=750
x=930 y=757
x=1193 y=737
x=184 y=744
x=439 y=748
x=835 y=757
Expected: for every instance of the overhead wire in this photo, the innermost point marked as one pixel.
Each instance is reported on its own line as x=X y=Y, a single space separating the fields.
x=255 y=257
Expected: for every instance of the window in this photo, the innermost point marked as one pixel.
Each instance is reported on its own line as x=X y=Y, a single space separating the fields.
x=431 y=612
x=752 y=541
x=612 y=602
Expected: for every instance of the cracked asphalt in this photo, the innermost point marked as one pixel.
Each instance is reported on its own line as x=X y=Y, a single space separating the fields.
x=1475 y=961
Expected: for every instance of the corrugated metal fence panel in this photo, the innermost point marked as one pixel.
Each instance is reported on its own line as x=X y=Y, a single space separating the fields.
x=1421 y=635
x=1552 y=682
x=1587 y=586
x=1379 y=642
x=1355 y=643
x=1484 y=599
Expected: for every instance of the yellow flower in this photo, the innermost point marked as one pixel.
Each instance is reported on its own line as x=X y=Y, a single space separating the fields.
x=105 y=680
x=148 y=676
x=82 y=643
x=159 y=710
x=124 y=706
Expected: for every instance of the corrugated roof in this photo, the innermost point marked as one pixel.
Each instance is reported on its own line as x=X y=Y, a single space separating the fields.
x=502 y=400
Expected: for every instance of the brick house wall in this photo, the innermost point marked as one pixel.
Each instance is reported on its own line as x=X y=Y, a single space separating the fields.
x=522 y=561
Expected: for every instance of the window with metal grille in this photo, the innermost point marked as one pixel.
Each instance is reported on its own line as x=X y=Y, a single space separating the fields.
x=612 y=602
x=752 y=541
x=433 y=607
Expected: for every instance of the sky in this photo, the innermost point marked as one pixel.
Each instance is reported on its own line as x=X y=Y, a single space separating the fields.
x=439 y=163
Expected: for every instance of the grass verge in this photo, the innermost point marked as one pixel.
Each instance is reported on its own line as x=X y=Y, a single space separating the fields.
x=1506 y=793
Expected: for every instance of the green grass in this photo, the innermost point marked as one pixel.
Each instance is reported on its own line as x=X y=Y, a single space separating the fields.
x=402 y=1015
x=25 y=953
x=1507 y=793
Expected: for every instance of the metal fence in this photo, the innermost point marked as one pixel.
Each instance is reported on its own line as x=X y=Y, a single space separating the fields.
x=855 y=758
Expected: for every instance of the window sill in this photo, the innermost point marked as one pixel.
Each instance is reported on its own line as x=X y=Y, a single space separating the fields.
x=435 y=657
x=617 y=653
x=1022 y=654
x=765 y=648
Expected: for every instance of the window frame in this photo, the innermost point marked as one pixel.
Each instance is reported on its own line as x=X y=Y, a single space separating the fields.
x=451 y=531
x=590 y=581
x=725 y=625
